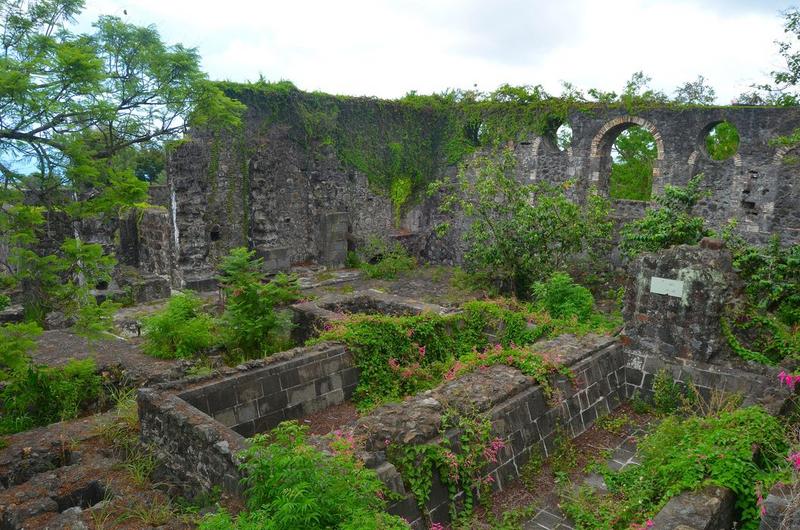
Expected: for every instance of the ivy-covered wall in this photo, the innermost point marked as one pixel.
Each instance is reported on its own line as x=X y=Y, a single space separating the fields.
x=303 y=156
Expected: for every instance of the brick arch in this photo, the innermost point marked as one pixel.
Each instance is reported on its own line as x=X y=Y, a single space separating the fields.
x=601 y=148
x=616 y=126
x=781 y=153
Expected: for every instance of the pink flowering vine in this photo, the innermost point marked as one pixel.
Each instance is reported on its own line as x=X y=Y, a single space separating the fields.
x=789 y=379
x=794 y=459
x=393 y=364
x=490 y=452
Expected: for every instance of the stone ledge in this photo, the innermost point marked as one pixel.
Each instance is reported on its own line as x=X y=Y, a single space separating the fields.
x=710 y=508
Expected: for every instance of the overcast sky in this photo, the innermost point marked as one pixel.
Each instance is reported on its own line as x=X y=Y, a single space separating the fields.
x=387 y=48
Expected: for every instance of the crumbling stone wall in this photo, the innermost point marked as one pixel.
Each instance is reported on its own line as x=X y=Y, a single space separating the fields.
x=273 y=188
x=521 y=414
x=674 y=301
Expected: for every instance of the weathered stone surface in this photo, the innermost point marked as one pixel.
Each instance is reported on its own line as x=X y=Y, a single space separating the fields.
x=780 y=509
x=685 y=324
x=711 y=508
x=278 y=192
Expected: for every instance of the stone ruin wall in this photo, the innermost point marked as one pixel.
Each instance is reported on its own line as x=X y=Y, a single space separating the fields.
x=295 y=201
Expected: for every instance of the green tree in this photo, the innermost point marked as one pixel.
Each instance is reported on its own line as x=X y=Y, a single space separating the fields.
x=522 y=233
x=632 y=156
x=722 y=141
x=672 y=223
x=73 y=106
x=695 y=92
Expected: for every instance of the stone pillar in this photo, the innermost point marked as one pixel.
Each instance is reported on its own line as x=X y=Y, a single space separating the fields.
x=674 y=300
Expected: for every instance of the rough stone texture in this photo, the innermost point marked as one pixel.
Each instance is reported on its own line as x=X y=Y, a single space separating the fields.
x=146 y=243
x=780 y=508
x=711 y=508
x=258 y=400
x=279 y=189
x=311 y=316
x=521 y=415
x=198 y=428
x=757 y=384
x=685 y=326
x=121 y=359
x=190 y=445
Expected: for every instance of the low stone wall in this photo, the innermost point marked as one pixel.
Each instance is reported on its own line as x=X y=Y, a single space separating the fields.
x=758 y=384
x=259 y=400
x=196 y=429
x=520 y=413
x=192 y=447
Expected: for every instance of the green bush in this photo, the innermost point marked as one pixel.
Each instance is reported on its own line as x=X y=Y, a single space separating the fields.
x=16 y=340
x=522 y=233
x=401 y=356
x=668 y=225
x=39 y=396
x=251 y=326
x=686 y=454
x=181 y=330
x=563 y=298
x=384 y=260
x=764 y=328
x=667 y=394
x=290 y=485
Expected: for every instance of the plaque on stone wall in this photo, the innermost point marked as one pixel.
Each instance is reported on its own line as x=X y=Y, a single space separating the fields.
x=666 y=286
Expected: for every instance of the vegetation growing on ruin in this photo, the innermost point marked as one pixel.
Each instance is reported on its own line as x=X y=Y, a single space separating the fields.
x=461 y=470
x=685 y=454
x=181 y=330
x=383 y=259
x=670 y=223
x=291 y=484
x=251 y=325
x=522 y=233
x=401 y=356
x=35 y=395
x=765 y=326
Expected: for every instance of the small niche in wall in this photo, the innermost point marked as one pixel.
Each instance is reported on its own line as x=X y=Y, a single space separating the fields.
x=215 y=233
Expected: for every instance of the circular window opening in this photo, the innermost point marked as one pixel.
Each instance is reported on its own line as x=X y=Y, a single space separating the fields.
x=633 y=154
x=563 y=136
x=721 y=141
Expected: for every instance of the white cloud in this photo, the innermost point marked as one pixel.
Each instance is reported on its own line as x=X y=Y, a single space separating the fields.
x=386 y=48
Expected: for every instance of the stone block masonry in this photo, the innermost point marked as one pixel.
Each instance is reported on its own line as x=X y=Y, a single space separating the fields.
x=279 y=192
x=674 y=301
x=197 y=429
x=521 y=415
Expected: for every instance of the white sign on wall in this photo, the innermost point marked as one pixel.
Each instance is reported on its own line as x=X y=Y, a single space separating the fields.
x=666 y=286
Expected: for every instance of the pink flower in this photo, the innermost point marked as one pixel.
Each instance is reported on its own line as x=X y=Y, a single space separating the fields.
x=421 y=350
x=327 y=326
x=409 y=332
x=393 y=364
x=510 y=359
x=408 y=372
x=794 y=459
x=490 y=452
x=789 y=379
x=437 y=526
